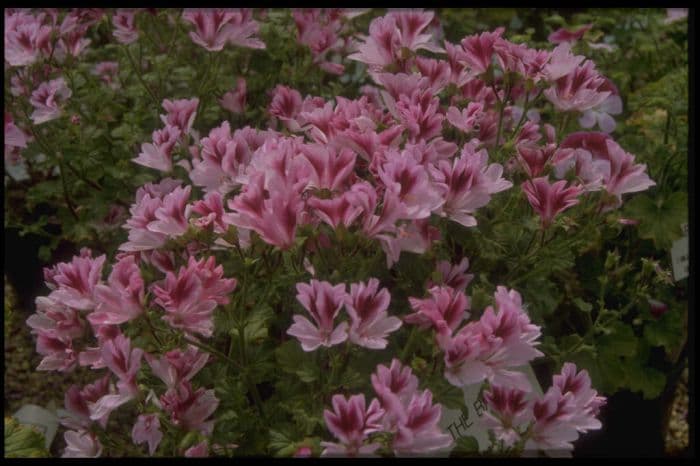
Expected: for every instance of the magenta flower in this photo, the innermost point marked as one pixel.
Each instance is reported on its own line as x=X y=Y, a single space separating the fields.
x=323 y=301
x=121 y=299
x=181 y=113
x=479 y=50
x=234 y=100
x=548 y=200
x=419 y=431
x=25 y=38
x=124 y=362
x=74 y=282
x=77 y=402
x=176 y=365
x=81 y=444
x=509 y=409
x=351 y=422
x=147 y=430
x=190 y=409
x=47 y=100
x=369 y=322
x=444 y=310
x=159 y=154
x=124 y=26
x=563 y=35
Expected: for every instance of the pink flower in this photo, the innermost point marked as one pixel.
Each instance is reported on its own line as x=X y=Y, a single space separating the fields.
x=420 y=114
x=563 y=35
x=190 y=409
x=211 y=208
x=445 y=310
x=586 y=400
x=600 y=114
x=453 y=276
x=336 y=211
x=190 y=297
x=47 y=100
x=75 y=281
x=181 y=113
x=77 y=403
x=479 y=49
x=124 y=26
x=176 y=365
x=159 y=154
x=548 y=200
x=121 y=299
x=470 y=182
x=81 y=444
x=53 y=319
x=108 y=72
x=561 y=62
x=467 y=119
x=419 y=431
x=147 y=430
x=510 y=409
x=675 y=14
x=369 y=322
x=25 y=38
x=124 y=362
x=323 y=301
x=214 y=28
x=579 y=90
x=351 y=422
x=200 y=450
x=15 y=138
x=394 y=386
x=326 y=167
x=234 y=100
x=286 y=105
x=72 y=37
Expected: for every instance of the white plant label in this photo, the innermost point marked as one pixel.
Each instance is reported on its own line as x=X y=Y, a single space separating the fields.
x=679 y=255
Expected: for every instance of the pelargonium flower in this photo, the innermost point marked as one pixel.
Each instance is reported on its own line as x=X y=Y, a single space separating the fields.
x=509 y=410
x=586 y=400
x=200 y=450
x=351 y=422
x=81 y=444
x=211 y=208
x=74 y=282
x=326 y=167
x=323 y=301
x=188 y=408
x=548 y=200
x=579 y=90
x=72 y=37
x=285 y=105
x=564 y=35
x=125 y=30
x=121 y=299
x=395 y=386
x=123 y=361
x=159 y=154
x=444 y=310
x=25 y=38
x=77 y=403
x=107 y=71
x=234 y=100
x=369 y=322
x=47 y=100
x=181 y=113
x=215 y=27
x=453 y=276
x=189 y=298
x=335 y=211
x=419 y=431
x=147 y=430
x=479 y=50
x=467 y=119
x=177 y=365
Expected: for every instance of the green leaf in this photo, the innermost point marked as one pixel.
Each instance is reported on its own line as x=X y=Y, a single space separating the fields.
x=465 y=446
x=661 y=218
x=665 y=331
x=291 y=358
x=620 y=342
x=649 y=381
x=22 y=441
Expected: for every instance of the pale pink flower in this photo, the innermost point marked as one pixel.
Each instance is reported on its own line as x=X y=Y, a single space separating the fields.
x=108 y=72
x=200 y=450
x=548 y=200
x=189 y=298
x=125 y=30
x=419 y=432
x=467 y=119
x=453 y=276
x=75 y=281
x=420 y=114
x=479 y=49
x=285 y=105
x=15 y=138
x=470 y=182
x=444 y=310
x=81 y=444
x=171 y=217
x=25 y=38
x=336 y=211
x=243 y=29
x=564 y=35
x=147 y=430
x=72 y=37
x=326 y=167
x=190 y=409
x=437 y=72
x=121 y=300
x=77 y=403
x=159 y=154
x=181 y=113
x=561 y=62
x=585 y=398
x=124 y=362
x=211 y=208
x=54 y=319
x=394 y=386
x=216 y=27
x=509 y=410
x=351 y=422
x=48 y=100
x=223 y=157
x=234 y=100
x=177 y=365
x=323 y=301
x=579 y=90
x=601 y=113
x=369 y=322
